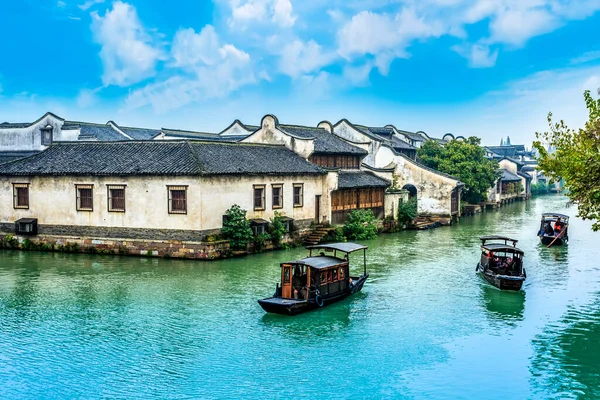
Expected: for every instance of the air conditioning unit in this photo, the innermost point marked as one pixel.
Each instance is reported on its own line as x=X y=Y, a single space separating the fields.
x=26 y=226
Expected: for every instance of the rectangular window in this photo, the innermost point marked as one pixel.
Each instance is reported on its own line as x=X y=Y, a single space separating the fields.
x=116 y=198
x=298 y=194
x=85 y=197
x=21 y=195
x=259 y=197
x=46 y=136
x=277 y=191
x=177 y=199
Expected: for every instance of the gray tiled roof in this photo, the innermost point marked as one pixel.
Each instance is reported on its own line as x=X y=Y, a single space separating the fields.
x=401 y=144
x=508 y=176
x=213 y=137
x=412 y=135
x=100 y=132
x=6 y=156
x=325 y=142
x=7 y=125
x=140 y=133
x=161 y=157
x=381 y=131
x=349 y=179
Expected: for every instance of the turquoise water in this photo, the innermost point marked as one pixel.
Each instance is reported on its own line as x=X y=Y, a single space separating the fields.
x=424 y=326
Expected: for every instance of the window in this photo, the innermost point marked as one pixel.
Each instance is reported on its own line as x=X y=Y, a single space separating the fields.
x=21 y=195
x=298 y=194
x=177 y=199
x=46 y=135
x=85 y=197
x=116 y=198
x=259 y=197
x=277 y=195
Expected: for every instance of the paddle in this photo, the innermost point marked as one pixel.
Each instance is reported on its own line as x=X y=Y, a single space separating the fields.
x=561 y=233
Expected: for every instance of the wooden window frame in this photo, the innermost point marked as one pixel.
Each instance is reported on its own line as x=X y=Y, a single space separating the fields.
x=78 y=197
x=176 y=188
x=300 y=196
x=16 y=187
x=263 y=197
x=109 y=197
x=280 y=187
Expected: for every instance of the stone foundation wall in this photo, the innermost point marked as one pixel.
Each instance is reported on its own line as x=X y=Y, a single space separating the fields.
x=137 y=242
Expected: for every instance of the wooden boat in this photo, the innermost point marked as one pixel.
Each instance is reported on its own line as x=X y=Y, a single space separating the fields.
x=552 y=234
x=501 y=264
x=317 y=280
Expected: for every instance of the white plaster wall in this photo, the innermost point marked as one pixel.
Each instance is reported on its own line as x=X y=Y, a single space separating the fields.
x=30 y=138
x=235 y=130
x=384 y=157
x=52 y=200
x=345 y=131
x=392 y=200
x=508 y=165
x=269 y=134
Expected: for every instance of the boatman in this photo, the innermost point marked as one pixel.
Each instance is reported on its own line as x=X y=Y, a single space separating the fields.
x=558 y=226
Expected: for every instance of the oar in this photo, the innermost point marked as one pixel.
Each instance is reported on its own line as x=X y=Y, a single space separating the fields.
x=561 y=233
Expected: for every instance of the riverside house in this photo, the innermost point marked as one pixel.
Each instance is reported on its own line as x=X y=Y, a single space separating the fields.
x=172 y=190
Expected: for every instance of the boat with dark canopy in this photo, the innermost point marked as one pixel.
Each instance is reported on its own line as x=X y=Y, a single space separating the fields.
x=554 y=229
x=501 y=262
x=316 y=280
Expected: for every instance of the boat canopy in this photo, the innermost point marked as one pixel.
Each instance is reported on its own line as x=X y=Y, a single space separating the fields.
x=485 y=239
x=319 y=262
x=343 y=247
x=554 y=216
x=496 y=247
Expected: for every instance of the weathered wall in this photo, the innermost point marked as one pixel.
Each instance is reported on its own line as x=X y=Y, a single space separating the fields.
x=30 y=138
x=53 y=200
x=269 y=134
x=392 y=200
x=347 y=132
x=508 y=165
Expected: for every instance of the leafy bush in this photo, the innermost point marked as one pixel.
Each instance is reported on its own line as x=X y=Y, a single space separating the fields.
x=276 y=229
x=11 y=242
x=360 y=225
x=540 y=188
x=260 y=240
x=236 y=228
x=407 y=211
x=335 y=235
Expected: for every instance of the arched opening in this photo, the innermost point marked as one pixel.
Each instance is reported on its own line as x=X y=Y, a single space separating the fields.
x=412 y=191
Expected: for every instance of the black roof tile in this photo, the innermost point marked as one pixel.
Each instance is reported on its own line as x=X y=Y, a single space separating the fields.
x=161 y=157
x=325 y=142
x=349 y=179
x=6 y=156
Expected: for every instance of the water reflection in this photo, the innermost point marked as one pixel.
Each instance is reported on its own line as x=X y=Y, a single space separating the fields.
x=502 y=305
x=566 y=361
x=553 y=264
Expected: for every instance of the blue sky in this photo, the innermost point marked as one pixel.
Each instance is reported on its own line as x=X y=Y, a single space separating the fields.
x=488 y=68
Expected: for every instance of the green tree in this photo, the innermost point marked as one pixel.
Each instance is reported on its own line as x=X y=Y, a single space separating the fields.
x=407 y=211
x=276 y=229
x=236 y=228
x=576 y=159
x=361 y=225
x=464 y=159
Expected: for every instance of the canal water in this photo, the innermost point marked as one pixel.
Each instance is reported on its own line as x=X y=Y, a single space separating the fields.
x=424 y=326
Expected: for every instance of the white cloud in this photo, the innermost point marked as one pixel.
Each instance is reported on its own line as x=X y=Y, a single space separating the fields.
x=299 y=58
x=128 y=54
x=479 y=55
x=88 y=4
x=516 y=25
x=87 y=98
x=586 y=57
x=61 y=4
x=210 y=70
x=282 y=13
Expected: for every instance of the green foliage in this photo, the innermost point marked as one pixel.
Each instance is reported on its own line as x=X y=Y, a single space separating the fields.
x=464 y=159
x=260 y=240
x=47 y=247
x=576 y=159
x=360 y=225
x=276 y=229
x=90 y=250
x=122 y=251
x=29 y=245
x=71 y=248
x=334 y=236
x=539 y=188
x=11 y=242
x=237 y=228
x=510 y=188
x=407 y=211
x=149 y=253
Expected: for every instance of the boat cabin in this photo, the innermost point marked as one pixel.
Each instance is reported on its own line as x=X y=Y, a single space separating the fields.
x=554 y=229
x=322 y=277
x=500 y=256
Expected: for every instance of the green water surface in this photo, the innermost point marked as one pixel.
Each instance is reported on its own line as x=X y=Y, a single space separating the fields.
x=424 y=326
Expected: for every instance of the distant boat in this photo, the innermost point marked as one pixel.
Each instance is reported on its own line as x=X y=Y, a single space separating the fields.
x=554 y=229
x=316 y=281
x=501 y=264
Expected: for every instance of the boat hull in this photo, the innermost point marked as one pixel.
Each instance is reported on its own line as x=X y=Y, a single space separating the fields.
x=502 y=282
x=278 y=305
x=546 y=240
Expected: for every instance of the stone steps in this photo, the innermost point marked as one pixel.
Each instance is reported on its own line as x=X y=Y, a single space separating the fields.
x=317 y=235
